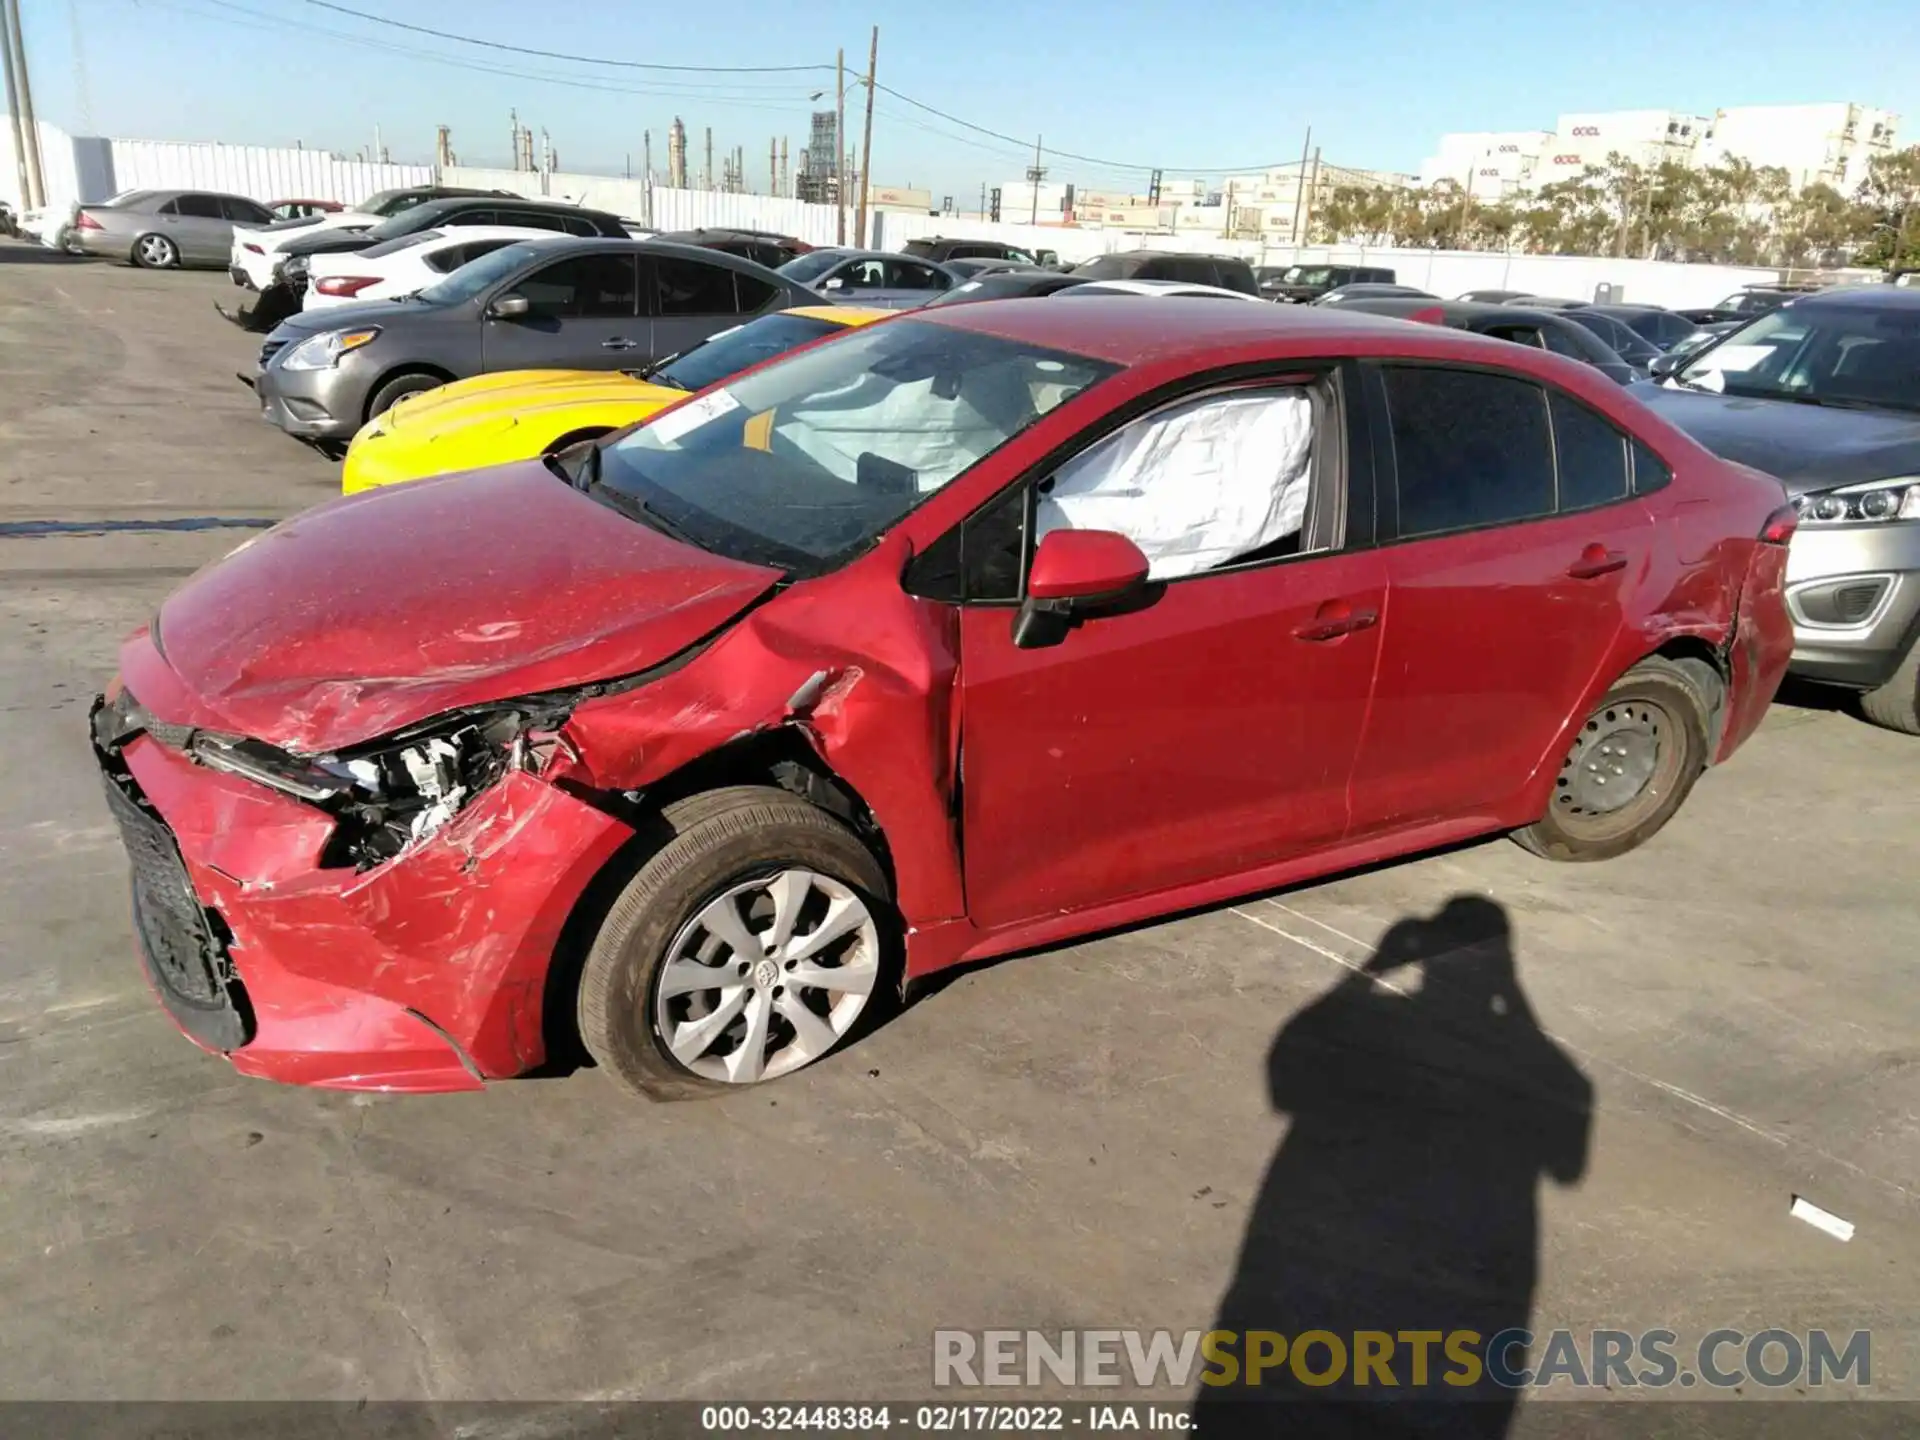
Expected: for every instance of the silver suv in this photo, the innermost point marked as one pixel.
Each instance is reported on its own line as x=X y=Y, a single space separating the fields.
x=1824 y=393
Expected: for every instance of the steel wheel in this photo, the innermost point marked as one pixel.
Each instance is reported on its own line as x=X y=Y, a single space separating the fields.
x=1621 y=767
x=767 y=977
x=156 y=252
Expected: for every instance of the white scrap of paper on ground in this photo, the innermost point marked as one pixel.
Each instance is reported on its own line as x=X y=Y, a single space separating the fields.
x=1821 y=1219
x=692 y=415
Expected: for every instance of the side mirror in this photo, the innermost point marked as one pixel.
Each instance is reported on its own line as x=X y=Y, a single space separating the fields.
x=834 y=285
x=1661 y=366
x=1075 y=572
x=509 y=307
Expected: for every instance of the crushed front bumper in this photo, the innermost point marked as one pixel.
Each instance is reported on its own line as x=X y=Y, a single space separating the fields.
x=424 y=973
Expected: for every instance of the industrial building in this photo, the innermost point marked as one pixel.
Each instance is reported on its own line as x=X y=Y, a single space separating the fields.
x=1830 y=143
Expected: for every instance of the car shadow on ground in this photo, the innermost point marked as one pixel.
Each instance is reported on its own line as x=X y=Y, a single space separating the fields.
x=1425 y=1106
x=28 y=252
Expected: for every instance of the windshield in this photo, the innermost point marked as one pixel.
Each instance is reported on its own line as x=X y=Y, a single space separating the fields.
x=479 y=275
x=732 y=351
x=807 y=268
x=819 y=453
x=1309 y=275
x=1818 y=354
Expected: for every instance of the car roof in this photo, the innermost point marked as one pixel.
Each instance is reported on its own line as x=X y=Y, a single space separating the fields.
x=447 y=204
x=1860 y=297
x=1121 y=330
x=1169 y=289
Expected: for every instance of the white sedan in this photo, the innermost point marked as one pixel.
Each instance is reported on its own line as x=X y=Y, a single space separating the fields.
x=1164 y=289
x=404 y=266
x=256 y=249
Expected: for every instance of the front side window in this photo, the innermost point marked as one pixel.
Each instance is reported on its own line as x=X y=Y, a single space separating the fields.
x=1470 y=449
x=805 y=269
x=1203 y=483
x=199 y=207
x=1840 y=355
x=584 y=287
x=821 y=452
x=481 y=217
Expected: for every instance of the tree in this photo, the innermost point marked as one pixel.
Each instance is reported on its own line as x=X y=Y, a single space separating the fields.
x=1890 y=196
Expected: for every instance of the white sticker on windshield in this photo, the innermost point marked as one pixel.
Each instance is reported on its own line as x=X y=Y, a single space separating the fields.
x=1733 y=359
x=687 y=418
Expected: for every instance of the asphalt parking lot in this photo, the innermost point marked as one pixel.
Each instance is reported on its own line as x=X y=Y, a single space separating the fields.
x=1088 y=1138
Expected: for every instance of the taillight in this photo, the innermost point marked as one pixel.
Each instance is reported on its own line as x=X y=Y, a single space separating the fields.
x=87 y=222
x=252 y=249
x=1432 y=315
x=348 y=285
x=1780 y=526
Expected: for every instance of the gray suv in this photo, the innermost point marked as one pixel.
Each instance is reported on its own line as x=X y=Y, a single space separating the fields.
x=1824 y=392
x=538 y=305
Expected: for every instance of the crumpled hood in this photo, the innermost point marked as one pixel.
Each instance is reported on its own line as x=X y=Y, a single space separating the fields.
x=514 y=394
x=381 y=610
x=1807 y=447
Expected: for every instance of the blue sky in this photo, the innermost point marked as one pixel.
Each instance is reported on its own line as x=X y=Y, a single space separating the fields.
x=1141 y=83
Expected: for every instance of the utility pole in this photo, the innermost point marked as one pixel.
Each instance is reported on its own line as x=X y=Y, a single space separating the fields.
x=1300 y=184
x=35 y=191
x=866 y=147
x=1036 y=173
x=983 y=199
x=13 y=109
x=1313 y=188
x=706 y=180
x=839 y=147
x=646 y=157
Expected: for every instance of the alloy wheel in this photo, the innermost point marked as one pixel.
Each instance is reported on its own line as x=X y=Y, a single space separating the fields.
x=156 y=251
x=767 y=977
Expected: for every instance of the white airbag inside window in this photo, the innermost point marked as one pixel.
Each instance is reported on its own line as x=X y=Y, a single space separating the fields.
x=1196 y=485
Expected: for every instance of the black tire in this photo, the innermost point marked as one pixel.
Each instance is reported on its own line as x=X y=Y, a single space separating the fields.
x=155 y=252
x=1896 y=704
x=1656 y=715
x=575 y=437
x=718 y=840
x=393 y=391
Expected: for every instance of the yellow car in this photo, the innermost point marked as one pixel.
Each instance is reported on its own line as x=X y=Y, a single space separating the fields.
x=521 y=414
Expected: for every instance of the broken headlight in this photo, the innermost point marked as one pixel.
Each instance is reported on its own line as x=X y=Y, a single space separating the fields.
x=390 y=794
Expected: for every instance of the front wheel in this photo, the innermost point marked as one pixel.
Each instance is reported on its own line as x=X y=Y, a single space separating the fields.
x=156 y=252
x=398 y=388
x=1896 y=704
x=1629 y=769
x=748 y=946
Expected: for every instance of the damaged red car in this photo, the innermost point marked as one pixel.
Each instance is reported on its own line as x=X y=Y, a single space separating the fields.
x=956 y=635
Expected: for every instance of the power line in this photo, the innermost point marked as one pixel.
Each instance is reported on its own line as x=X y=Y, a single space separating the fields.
x=562 y=55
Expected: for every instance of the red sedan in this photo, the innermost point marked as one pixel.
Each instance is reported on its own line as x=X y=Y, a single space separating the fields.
x=956 y=635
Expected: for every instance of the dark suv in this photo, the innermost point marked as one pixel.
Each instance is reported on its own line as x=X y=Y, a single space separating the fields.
x=1303 y=284
x=763 y=247
x=1221 y=270
x=939 y=249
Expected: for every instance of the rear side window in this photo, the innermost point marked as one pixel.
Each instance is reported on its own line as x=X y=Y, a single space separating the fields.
x=1561 y=342
x=248 y=213
x=905 y=275
x=753 y=294
x=1235 y=277
x=1650 y=472
x=198 y=207
x=1592 y=455
x=1104 y=267
x=538 y=220
x=454 y=256
x=1470 y=449
x=687 y=287
x=476 y=217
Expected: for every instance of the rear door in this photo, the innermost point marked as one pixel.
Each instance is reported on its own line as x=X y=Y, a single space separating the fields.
x=1514 y=547
x=198 y=225
x=909 y=283
x=688 y=300
x=583 y=314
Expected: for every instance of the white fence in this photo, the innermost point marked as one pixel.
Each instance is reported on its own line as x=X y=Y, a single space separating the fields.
x=89 y=168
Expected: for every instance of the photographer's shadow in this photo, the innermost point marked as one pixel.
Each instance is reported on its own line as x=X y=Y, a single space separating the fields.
x=1426 y=1104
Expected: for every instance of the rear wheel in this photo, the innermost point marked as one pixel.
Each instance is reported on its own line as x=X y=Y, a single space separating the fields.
x=751 y=944
x=156 y=252
x=1630 y=767
x=1896 y=704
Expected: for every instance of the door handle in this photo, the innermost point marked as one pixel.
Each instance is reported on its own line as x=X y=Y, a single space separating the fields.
x=619 y=344
x=1335 y=620
x=1595 y=561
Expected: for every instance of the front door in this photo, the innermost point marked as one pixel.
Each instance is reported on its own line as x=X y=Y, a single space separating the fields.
x=199 y=228
x=691 y=300
x=1518 y=547
x=1211 y=729
x=583 y=314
